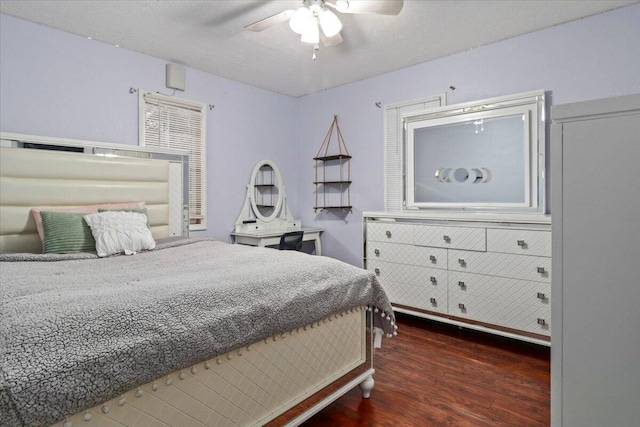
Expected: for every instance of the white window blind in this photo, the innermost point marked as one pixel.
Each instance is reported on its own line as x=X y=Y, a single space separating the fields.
x=394 y=146
x=168 y=122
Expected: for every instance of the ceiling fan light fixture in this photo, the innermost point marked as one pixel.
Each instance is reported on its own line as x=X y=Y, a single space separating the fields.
x=311 y=33
x=330 y=23
x=301 y=20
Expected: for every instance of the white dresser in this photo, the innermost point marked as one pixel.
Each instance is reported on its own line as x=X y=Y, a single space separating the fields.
x=489 y=275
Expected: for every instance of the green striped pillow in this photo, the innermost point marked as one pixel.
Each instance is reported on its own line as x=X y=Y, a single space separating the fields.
x=66 y=232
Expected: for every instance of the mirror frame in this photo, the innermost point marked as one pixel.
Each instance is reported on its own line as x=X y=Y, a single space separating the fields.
x=531 y=104
x=278 y=206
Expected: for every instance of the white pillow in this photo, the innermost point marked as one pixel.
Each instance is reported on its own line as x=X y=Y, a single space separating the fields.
x=118 y=231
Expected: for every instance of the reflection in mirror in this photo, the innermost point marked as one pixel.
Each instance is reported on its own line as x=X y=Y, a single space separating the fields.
x=461 y=175
x=478 y=175
x=499 y=147
x=266 y=190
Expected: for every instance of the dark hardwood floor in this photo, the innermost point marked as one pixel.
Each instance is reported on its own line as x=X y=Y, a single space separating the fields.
x=433 y=374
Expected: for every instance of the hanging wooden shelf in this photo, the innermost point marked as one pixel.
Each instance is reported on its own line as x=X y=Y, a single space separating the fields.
x=332 y=182
x=334 y=157
x=333 y=179
x=344 y=208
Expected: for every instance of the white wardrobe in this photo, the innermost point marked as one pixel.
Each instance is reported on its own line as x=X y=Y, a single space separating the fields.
x=595 y=187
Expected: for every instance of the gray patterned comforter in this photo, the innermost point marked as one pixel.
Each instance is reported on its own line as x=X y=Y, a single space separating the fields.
x=78 y=332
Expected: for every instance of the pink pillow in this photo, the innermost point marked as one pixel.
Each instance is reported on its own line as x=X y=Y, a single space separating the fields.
x=83 y=209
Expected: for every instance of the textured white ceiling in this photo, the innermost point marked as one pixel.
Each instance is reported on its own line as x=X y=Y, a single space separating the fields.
x=210 y=35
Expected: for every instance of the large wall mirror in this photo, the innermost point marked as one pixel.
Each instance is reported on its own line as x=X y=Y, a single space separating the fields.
x=487 y=155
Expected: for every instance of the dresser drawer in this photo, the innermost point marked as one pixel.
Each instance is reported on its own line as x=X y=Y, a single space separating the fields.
x=525 y=242
x=390 y=232
x=499 y=288
x=473 y=239
x=407 y=254
x=502 y=265
x=412 y=286
x=524 y=317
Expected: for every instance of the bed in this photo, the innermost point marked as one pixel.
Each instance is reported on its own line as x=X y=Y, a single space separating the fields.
x=194 y=332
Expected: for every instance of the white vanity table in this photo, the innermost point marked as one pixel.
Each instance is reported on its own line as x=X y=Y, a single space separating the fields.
x=272 y=238
x=265 y=216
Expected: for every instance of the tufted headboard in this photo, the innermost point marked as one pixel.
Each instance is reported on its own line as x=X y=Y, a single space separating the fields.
x=41 y=176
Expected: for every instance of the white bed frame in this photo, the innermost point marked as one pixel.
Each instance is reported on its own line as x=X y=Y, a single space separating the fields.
x=251 y=386
x=248 y=387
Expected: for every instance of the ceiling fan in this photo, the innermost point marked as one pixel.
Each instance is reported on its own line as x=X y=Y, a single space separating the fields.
x=315 y=20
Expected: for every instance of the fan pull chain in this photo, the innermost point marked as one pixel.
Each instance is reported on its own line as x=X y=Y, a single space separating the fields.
x=316 y=47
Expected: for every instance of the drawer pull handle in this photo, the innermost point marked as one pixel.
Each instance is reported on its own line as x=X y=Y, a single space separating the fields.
x=377 y=270
x=541 y=295
x=433 y=279
x=377 y=252
x=447 y=239
x=521 y=243
x=432 y=258
x=462 y=262
x=388 y=234
x=461 y=307
x=462 y=285
x=541 y=270
x=433 y=301
x=541 y=321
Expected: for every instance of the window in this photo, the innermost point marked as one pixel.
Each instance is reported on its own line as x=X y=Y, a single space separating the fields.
x=168 y=122
x=394 y=149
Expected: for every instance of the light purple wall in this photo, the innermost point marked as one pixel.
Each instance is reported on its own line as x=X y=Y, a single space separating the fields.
x=591 y=58
x=57 y=84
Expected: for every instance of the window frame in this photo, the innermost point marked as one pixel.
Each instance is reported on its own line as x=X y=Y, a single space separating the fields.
x=394 y=156
x=174 y=102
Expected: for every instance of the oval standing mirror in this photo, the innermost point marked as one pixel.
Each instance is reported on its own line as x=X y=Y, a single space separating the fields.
x=267 y=198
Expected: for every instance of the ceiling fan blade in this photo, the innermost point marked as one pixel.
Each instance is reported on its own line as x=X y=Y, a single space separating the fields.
x=269 y=22
x=378 y=7
x=330 y=41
